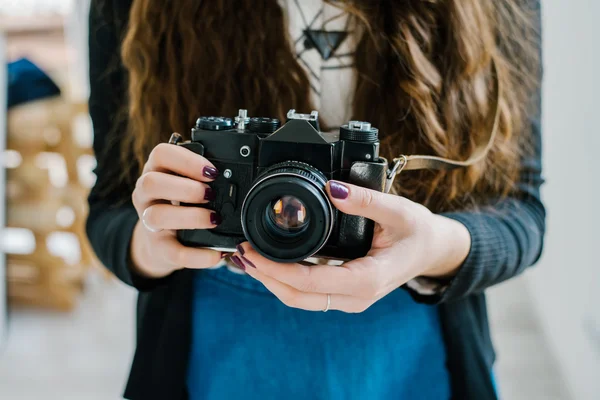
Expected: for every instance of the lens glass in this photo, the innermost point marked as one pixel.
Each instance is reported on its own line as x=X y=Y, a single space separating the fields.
x=288 y=214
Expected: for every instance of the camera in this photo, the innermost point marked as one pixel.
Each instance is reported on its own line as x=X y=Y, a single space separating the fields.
x=271 y=187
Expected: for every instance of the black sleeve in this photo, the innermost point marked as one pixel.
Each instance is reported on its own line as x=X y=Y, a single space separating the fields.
x=111 y=217
x=507 y=235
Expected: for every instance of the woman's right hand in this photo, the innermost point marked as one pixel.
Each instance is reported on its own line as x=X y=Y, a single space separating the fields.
x=172 y=174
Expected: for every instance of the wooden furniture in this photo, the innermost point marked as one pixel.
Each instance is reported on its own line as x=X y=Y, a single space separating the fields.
x=3 y=282
x=50 y=160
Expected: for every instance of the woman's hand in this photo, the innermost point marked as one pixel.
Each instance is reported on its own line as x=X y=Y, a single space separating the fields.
x=172 y=174
x=409 y=241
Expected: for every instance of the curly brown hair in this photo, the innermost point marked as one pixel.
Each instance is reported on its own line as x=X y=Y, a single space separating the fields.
x=424 y=79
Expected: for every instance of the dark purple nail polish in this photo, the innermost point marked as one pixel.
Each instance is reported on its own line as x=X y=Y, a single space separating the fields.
x=215 y=219
x=240 y=249
x=238 y=262
x=338 y=191
x=210 y=172
x=209 y=194
x=248 y=262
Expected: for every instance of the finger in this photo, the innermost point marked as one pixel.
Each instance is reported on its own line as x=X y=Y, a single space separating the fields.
x=153 y=186
x=179 y=160
x=167 y=216
x=182 y=256
x=310 y=279
x=379 y=207
x=294 y=298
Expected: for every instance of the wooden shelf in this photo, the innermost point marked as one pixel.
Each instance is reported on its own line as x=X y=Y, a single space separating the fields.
x=41 y=279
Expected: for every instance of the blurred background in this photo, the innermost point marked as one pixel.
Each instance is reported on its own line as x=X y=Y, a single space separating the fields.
x=67 y=326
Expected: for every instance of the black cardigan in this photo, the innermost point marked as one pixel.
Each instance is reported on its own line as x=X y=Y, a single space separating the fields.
x=506 y=239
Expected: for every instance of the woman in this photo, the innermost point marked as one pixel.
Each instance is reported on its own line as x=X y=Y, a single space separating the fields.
x=409 y=319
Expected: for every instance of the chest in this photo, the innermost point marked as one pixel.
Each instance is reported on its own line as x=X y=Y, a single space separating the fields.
x=323 y=38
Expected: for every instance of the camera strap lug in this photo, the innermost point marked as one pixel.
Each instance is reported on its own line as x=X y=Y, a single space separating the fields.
x=175 y=138
x=399 y=164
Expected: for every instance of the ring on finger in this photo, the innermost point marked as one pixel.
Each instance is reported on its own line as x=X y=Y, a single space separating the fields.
x=146 y=225
x=328 y=303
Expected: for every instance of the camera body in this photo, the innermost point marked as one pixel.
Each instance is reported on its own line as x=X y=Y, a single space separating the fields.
x=271 y=187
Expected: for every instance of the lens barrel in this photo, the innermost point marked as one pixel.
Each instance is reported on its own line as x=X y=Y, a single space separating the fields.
x=286 y=215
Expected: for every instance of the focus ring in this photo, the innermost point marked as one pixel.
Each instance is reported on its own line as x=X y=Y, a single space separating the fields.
x=296 y=171
x=300 y=168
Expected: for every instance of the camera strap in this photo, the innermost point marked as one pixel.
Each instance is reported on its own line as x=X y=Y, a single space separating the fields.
x=482 y=148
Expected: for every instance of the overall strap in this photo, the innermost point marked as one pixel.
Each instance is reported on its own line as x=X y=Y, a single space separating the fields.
x=481 y=150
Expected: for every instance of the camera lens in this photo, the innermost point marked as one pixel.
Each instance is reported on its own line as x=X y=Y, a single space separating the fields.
x=286 y=215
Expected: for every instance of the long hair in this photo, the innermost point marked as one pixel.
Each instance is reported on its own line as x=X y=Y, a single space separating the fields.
x=424 y=78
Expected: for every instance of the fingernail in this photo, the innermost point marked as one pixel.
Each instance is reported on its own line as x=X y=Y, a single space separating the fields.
x=338 y=191
x=209 y=194
x=215 y=219
x=240 y=249
x=248 y=262
x=238 y=262
x=210 y=172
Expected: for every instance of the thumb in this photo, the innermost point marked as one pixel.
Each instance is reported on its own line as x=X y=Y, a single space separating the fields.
x=355 y=200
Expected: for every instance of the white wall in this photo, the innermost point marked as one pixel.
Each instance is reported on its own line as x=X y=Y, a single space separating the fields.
x=77 y=38
x=566 y=282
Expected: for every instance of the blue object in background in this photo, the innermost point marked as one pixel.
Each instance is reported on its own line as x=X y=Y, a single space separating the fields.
x=27 y=82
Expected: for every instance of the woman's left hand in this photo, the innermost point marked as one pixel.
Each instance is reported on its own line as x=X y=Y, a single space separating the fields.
x=409 y=241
